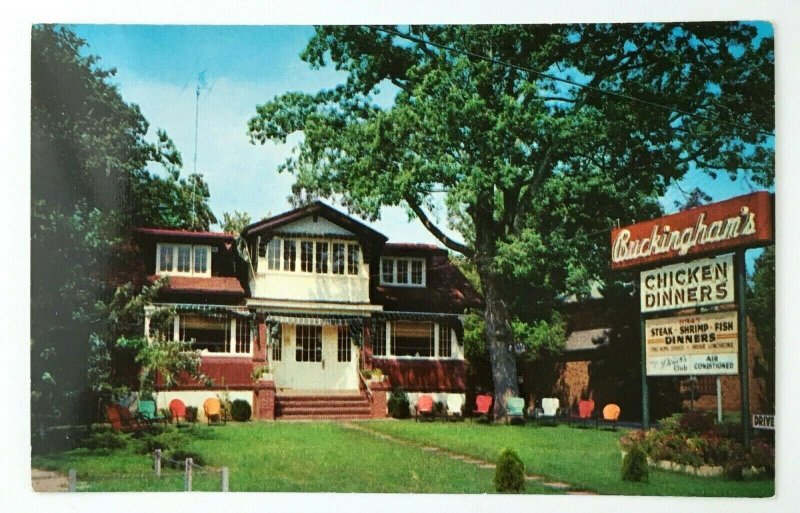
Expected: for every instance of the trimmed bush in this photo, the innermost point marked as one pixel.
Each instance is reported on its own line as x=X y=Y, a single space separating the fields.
x=191 y=414
x=696 y=422
x=634 y=465
x=240 y=410
x=509 y=476
x=398 y=404
x=181 y=455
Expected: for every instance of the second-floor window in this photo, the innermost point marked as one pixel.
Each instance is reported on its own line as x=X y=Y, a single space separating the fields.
x=403 y=272
x=183 y=259
x=310 y=256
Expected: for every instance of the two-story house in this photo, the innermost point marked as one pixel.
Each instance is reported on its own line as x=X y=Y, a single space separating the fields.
x=316 y=297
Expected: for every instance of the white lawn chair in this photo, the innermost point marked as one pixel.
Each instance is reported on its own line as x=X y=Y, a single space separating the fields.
x=549 y=410
x=454 y=405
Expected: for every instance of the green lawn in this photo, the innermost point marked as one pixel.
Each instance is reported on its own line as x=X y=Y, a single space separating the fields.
x=287 y=457
x=587 y=458
x=329 y=457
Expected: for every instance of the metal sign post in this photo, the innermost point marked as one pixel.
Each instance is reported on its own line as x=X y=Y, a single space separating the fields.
x=645 y=391
x=744 y=373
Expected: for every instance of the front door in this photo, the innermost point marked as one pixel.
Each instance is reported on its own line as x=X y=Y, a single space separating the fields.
x=319 y=358
x=339 y=359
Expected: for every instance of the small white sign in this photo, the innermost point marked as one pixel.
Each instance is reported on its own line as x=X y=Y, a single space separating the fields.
x=702 y=282
x=761 y=421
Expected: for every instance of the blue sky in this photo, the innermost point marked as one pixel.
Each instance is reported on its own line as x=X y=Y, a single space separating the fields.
x=158 y=66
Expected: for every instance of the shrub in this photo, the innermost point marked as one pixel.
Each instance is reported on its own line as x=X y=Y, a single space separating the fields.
x=439 y=408
x=166 y=441
x=734 y=470
x=367 y=373
x=509 y=476
x=105 y=440
x=697 y=422
x=634 y=465
x=398 y=404
x=181 y=455
x=240 y=410
x=762 y=455
x=225 y=404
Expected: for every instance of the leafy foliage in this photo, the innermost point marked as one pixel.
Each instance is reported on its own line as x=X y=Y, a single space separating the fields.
x=533 y=171
x=761 y=308
x=509 y=475
x=235 y=222
x=95 y=174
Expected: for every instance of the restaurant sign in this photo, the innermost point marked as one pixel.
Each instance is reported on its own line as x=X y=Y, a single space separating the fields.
x=702 y=282
x=692 y=345
x=741 y=222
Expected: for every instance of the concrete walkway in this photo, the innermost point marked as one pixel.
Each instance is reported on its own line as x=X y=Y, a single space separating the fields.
x=469 y=460
x=48 y=481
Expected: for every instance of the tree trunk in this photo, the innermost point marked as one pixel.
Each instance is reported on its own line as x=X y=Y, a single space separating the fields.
x=499 y=337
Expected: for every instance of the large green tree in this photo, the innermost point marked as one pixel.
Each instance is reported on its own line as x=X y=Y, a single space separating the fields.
x=530 y=140
x=761 y=305
x=95 y=174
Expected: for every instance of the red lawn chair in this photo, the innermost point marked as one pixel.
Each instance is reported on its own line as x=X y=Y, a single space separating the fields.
x=483 y=404
x=121 y=419
x=178 y=410
x=425 y=407
x=585 y=413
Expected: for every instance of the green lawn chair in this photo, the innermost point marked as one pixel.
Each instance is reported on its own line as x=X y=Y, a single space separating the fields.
x=147 y=413
x=515 y=409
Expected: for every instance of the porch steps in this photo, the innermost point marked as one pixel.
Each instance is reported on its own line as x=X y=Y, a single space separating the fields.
x=321 y=406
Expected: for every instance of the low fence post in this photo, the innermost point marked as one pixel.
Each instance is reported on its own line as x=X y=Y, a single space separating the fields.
x=225 y=479
x=72 y=478
x=157 y=464
x=187 y=475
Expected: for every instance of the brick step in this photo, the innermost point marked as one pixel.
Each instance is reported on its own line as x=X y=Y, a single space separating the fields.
x=316 y=398
x=323 y=417
x=324 y=411
x=323 y=404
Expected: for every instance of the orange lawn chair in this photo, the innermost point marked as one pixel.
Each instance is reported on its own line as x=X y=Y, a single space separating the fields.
x=213 y=409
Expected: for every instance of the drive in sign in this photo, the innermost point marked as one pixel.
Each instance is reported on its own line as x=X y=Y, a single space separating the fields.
x=692 y=345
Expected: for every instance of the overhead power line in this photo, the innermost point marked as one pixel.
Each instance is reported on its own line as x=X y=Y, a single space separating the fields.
x=542 y=74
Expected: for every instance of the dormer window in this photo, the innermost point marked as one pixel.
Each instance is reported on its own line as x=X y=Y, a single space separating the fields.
x=403 y=272
x=183 y=259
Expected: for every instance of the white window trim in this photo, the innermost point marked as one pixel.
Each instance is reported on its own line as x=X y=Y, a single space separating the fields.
x=454 y=355
x=263 y=262
x=394 y=283
x=230 y=343
x=174 y=271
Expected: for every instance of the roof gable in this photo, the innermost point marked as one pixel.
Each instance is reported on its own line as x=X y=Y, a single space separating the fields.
x=316 y=217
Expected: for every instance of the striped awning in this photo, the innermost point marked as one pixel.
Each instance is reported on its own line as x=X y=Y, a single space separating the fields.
x=314 y=320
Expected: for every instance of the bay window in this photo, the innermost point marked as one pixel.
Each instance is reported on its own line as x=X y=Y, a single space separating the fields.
x=183 y=259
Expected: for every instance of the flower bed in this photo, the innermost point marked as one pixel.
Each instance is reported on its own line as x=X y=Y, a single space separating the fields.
x=693 y=444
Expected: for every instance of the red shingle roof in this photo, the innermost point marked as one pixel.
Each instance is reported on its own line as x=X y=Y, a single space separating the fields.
x=186 y=234
x=210 y=285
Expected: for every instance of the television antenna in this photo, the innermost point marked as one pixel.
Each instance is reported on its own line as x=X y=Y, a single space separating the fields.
x=202 y=85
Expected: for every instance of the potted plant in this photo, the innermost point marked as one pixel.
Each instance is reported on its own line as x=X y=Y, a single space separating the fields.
x=191 y=414
x=261 y=373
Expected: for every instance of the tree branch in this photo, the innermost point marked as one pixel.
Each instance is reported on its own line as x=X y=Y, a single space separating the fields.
x=435 y=230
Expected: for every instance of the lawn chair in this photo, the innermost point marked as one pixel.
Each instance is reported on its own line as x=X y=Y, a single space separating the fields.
x=147 y=413
x=548 y=412
x=585 y=413
x=121 y=419
x=455 y=403
x=213 y=409
x=483 y=405
x=611 y=415
x=424 y=407
x=515 y=409
x=178 y=410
